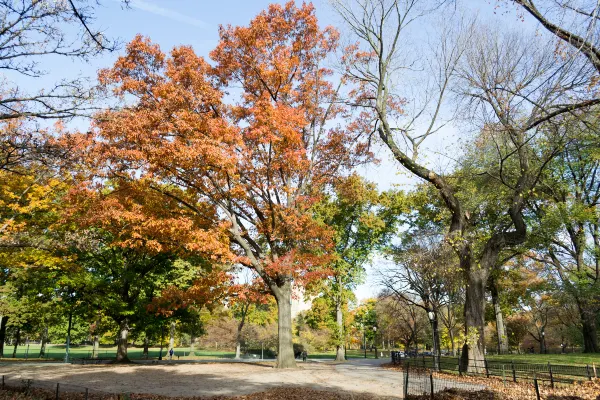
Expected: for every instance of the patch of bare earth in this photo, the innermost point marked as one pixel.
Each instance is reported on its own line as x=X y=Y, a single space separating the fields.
x=220 y=380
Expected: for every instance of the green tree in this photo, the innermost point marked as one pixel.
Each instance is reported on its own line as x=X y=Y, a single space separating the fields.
x=570 y=214
x=362 y=219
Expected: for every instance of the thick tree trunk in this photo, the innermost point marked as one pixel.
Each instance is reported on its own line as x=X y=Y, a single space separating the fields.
x=590 y=332
x=17 y=340
x=172 y=337
x=500 y=331
x=285 y=350
x=238 y=346
x=473 y=354
x=96 y=347
x=3 y=322
x=44 y=341
x=340 y=354
x=122 y=346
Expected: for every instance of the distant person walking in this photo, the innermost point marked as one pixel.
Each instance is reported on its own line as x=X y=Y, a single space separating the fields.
x=304 y=354
x=171 y=354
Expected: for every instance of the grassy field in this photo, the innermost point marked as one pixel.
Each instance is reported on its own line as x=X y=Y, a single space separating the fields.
x=569 y=358
x=57 y=352
x=576 y=359
x=350 y=354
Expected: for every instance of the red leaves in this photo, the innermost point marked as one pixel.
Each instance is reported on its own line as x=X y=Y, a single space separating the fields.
x=183 y=170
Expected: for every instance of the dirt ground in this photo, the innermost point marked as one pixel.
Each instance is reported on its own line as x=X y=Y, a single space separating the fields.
x=214 y=379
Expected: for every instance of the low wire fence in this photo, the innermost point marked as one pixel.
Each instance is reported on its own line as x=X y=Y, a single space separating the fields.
x=58 y=352
x=39 y=389
x=553 y=374
x=419 y=383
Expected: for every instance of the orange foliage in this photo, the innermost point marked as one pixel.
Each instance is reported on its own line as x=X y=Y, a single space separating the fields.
x=234 y=180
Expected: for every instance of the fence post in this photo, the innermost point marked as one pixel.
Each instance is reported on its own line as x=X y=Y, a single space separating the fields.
x=503 y=376
x=406 y=381
x=431 y=383
x=514 y=372
x=589 y=375
x=551 y=376
x=86 y=393
x=537 y=388
x=423 y=359
x=2 y=381
x=594 y=368
x=57 y=386
x=459 y=369
x=487 y=371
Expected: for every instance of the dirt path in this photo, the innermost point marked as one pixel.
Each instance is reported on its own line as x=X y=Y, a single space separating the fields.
x=214 y=379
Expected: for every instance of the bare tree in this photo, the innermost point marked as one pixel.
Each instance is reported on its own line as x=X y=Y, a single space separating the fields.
x=422 y=275
x=575 y=22
x=516 y=95
x=31 y=31
x=451 y=311
x=408 y=321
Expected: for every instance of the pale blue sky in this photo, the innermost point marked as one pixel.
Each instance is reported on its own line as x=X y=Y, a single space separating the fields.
x=195 y=22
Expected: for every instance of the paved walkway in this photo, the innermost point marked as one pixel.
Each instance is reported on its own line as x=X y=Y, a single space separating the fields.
x=222 y=378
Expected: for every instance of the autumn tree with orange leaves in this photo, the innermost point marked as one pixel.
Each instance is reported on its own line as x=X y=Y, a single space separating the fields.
x=245 y=148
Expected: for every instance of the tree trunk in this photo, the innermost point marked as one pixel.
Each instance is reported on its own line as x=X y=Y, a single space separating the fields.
x=172 y=337
x=452 y=348
x=162 y=339
x=44 y=341
x=472 y=358
x=500 y=331
x=437 y=349
x=285 y=350
x=17 y=340
x=340 y=352
x=96 y=347
x=122 y=346
x=3 y=322
x=589 y=330
x=68 y=346
x=238 y=346
x=238 y=343
x=145 y=354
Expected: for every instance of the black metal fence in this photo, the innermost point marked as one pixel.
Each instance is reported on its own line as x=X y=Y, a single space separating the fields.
x=422 y=384
x=552 y=374
x=38 y=388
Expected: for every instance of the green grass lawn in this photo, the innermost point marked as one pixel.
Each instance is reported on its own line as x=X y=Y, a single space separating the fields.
x=572 y=359
x=350 y=354
x=57 y=352
x=569 y=358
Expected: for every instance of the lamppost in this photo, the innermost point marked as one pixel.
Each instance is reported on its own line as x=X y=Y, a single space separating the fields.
x=543 y=342
x=433 y=321
x=375 y=340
